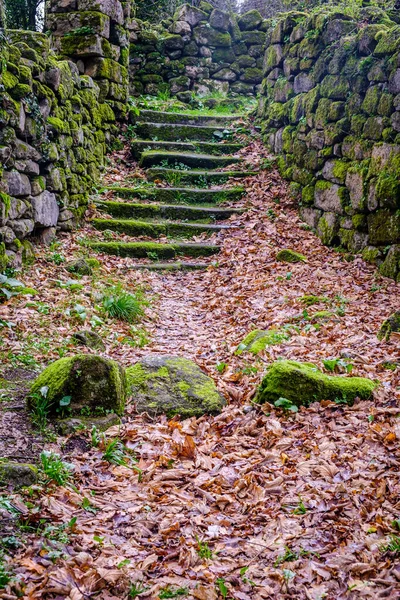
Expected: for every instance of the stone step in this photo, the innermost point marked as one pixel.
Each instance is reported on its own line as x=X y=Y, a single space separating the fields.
x=155 y=228
x=154 y=249
x=214 y=148
x=194 y=176
x=172 y=266
x=156 y=116
x=182 y=133
x=126 y=210
x=174 y=195
x=206 y=161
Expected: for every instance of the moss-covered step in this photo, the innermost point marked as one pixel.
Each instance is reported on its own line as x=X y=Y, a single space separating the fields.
x=170 y=118
x=173 y=195
x=170 y=266
x=156 y=228
x=127 y=210
x=154 y=249
x=214 y=148
x=176 y=133
x=304 y=383
x=188 y=159
x=195 y=176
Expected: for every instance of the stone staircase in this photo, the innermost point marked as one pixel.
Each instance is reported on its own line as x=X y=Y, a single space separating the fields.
x=162 y=220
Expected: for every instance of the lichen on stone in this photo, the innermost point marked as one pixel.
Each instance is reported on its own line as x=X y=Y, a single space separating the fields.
x=290 y=256
x=389 y=326
x=256 y=341
x=172 y=385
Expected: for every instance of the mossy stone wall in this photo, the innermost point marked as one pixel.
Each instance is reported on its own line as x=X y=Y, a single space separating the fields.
x=201 y=50
x=330 y=110
x=61 y=98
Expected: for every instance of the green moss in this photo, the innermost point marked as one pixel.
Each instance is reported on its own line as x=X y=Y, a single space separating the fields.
x=303 y=384
x=9 y=80
x=21 y=91
x=90 y=381
x=311 y=300
x=391 y=325
x=5 y=202
x=307 y=195
x=58 y=124
x=3 y=257
x=290 y=256
x=17 y=474
x=258 y=340
x=339 y=170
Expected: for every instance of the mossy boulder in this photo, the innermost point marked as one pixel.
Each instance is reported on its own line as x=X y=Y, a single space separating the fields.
x=15 y=474
x=290 y=256
x=389 y=326
x=81 y=383
x=257 y=340
x=304 y=383
x=172 y=385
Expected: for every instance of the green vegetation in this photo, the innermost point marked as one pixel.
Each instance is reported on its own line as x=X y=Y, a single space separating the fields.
x=54 y=468
x=120 y=304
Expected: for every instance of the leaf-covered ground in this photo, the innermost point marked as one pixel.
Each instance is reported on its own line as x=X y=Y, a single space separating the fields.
x=254 y=503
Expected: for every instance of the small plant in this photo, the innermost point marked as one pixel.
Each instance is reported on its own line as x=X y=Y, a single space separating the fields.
x=288 y=575
x=168 y=592
x=57 y=258
x=223 y=590
x=115 y=453
x=136 y=590
x=288 y=556
x=40 y=408
x=221 y=367
x=271 y=214
x=152 y=255
x=88 y=506
x=5 y=574
x=84 y=30
x=203 y=549
x=120 y=304
x=54 y=468
x=338 y=364
x=286 y=405
x=300 y=508
x=392 y=546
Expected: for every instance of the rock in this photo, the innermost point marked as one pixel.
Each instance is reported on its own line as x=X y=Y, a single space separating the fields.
x=47 y=236
x=180 y=28
x=173 y=386
x=290 y=256
x=329 y=196
x=87 y=382
x=389 y=326
x=68 y=426
x=391 y=265
x=45 y=209
x=258 y=340
x=303 y=83
x=79 y=266
x=190 y=14
x=22 y=227
x=304 y=383
x=17 y=184
x=220 y=20
x=225 y=75
x=17 y=474
x=91 y=339
x=250 y=20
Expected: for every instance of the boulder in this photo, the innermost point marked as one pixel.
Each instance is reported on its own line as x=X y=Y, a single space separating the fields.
x=389 y=326
x=45 y=209
x=290 y=256
x=190 y=14
x=15 y=474
x=257 y=340
x=304 y=383
x=250 y=20
x=220 y=20
x=172 y=385
x=87 y=382
x=91 y=339
x=17 y=184
x=79 y=266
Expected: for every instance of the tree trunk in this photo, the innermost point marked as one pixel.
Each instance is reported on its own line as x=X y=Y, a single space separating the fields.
x=32 y=8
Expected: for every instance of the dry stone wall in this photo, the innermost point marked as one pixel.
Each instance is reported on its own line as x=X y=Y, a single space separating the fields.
x=330 y=110
x=201 y=50
x=60 y=98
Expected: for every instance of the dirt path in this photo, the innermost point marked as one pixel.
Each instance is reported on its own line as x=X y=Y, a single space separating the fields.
x=251 y=504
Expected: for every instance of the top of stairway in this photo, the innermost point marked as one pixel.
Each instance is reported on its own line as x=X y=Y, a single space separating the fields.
x=155 y=116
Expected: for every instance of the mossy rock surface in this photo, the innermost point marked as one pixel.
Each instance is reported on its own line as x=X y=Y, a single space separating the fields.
x=258 y=340
x=92 y=383
x=304 y=383
x=17 y=474
x=290 y=256
x=173 y=385
x=389 y=326
x=68 y=426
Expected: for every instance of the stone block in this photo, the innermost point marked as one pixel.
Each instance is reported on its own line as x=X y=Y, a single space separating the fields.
x=45 y=209
x=329 y=197
x=60 y=24
x=17 y=184
x=220 y=20
x=111 y=8
x=190 y=14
